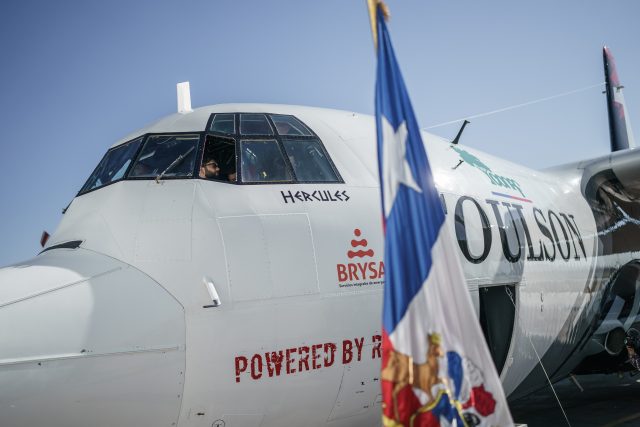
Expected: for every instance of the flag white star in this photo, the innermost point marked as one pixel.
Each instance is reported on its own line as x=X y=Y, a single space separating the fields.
x=395 y=167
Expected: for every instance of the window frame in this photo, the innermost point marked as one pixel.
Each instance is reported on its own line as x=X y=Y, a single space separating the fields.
x=196 y=165
x=125 y=176
x=210 y=123
x=285 y=158
x=145 y=138
x=219 y=135
x=237 y=136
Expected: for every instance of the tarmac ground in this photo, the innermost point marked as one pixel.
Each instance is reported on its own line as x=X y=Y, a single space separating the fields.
x=607 y=401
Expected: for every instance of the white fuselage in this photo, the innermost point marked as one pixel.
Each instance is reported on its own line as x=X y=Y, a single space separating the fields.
x=296 y=338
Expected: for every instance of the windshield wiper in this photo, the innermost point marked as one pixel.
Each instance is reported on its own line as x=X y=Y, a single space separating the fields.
x=173 y=164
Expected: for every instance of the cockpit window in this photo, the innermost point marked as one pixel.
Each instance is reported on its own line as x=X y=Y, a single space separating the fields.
x=113 y=165
x=254 y=124
x=289 y=125
x=309 y=160
x=166 y=156
x=242 y=148
x=270 y=148
x=262 y=161
x=218 y=159
x=223 y=123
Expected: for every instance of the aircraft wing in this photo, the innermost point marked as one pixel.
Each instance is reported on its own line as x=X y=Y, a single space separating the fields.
x=611 y=186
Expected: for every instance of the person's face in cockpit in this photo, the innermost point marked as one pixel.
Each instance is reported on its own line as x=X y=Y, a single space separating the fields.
x=210 y=169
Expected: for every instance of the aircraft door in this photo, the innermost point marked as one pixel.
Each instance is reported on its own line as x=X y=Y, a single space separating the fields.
x=491 y=258
x=497 y=318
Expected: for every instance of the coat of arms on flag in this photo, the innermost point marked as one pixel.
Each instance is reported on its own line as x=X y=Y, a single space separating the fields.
x=419 y=395
x=436 y=368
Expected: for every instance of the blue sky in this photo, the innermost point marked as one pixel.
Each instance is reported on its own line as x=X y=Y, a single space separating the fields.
x=75 y=76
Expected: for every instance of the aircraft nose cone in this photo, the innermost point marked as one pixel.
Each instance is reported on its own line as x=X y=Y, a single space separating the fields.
x=84 y=339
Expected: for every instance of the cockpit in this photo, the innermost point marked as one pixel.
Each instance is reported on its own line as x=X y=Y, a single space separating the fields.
x=235 y=148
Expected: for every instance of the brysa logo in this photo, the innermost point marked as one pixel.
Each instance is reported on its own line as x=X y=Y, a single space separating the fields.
x=496 y=179
x=361 y=269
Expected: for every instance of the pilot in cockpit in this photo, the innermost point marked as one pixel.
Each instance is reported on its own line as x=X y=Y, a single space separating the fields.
x=209 y=169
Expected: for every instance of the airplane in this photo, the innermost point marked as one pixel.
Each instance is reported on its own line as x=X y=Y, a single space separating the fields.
x=224 y=267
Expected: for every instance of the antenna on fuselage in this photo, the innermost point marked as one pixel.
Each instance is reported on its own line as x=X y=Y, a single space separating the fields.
x=457 y=138
x=184 y=98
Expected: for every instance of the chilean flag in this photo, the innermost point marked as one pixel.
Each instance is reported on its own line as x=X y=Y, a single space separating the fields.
x=436 y=368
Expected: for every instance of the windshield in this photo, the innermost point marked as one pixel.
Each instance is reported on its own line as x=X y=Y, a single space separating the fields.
x=237 y=148
x=309 y=160
x=262 y=161
x=165 y=156
x=113 y=165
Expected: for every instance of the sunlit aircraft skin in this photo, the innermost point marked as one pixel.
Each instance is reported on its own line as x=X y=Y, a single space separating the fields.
x=114 y=323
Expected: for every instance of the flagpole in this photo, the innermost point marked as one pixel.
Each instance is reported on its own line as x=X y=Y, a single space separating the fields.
x=372 y=5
